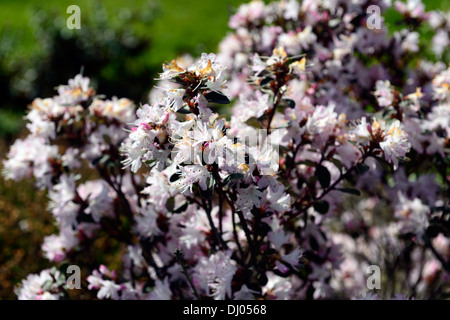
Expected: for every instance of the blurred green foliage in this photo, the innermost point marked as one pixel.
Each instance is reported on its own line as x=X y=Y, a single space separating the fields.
x=107 y=48
x=120 y=45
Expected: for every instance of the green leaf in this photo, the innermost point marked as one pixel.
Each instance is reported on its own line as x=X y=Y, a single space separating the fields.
x=107 y=139
x=61 y=279
x=362 y=168
x=105 y=159
x=324 y=176
x=337 y=163
x=100 y=160
x=353 y=191
x=290 y=103
x=321 y=207
x=175 y=177
x=265 y=81
x=47 y=285
x=253 y=122
x=181 y=208
x=95 y=161
x=150 y=163
x=170 y=204
x=233 y=177
x=184 y=111
x=112 y=164
x=217 y=97
x=178 y=80
x=212 y=183
x=308 y=163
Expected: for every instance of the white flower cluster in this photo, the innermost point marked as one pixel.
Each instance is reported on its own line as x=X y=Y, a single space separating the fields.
x=328 y=163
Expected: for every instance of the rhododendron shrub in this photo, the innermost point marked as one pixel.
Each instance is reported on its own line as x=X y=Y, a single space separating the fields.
x=335 y=158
